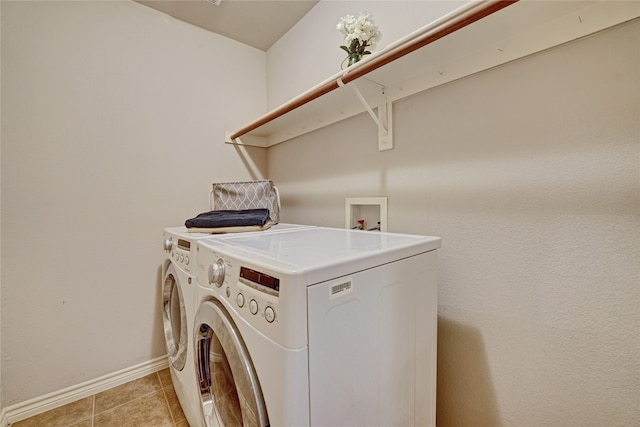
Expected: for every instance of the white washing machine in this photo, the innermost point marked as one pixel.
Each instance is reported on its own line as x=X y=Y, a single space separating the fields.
x=317 y=327
x=178 y=310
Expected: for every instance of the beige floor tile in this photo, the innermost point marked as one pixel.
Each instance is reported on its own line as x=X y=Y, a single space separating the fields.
x=174 y=404
x=150 y=401
x=124 y=393
x=165 y=377
x=85 y=423
x=67 y=415
x=147 y=411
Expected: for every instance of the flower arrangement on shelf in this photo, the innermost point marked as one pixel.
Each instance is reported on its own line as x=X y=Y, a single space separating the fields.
x=361 y=35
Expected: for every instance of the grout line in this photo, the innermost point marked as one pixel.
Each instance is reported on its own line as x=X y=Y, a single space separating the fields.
x=166 y=401
x=93 y=411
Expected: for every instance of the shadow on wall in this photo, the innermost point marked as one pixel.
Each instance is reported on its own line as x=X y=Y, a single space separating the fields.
x=465 y=395
x=158 y=327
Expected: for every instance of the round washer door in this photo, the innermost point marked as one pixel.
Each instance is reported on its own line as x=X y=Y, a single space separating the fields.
x=230 y=393
x=174 y=320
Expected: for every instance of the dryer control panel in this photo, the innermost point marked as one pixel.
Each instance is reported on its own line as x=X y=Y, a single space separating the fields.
x=252 y=282
x=179 y=251
x=259 y=291
x=251 y=292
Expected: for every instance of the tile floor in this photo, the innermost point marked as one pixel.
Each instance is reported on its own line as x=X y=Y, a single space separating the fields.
x=146 y=402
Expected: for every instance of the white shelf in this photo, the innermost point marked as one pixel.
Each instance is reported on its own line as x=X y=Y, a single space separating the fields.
x=517 y=30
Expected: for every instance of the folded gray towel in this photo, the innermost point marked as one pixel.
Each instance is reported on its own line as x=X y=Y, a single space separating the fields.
x=229 y=218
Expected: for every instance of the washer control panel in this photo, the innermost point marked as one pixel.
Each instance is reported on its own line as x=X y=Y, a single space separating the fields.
x=179 y=251
x=259 y=291
x=257 y=307
x=269 y=297
x=256 y=293
x=252 y=293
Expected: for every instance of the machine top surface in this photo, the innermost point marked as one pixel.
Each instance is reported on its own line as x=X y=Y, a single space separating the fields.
x=323 y=252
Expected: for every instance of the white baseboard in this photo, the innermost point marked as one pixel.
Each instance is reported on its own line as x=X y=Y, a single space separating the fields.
x=38 y=405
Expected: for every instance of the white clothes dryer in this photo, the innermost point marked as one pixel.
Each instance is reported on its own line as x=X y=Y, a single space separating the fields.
x=178 y=311
x=317 y=327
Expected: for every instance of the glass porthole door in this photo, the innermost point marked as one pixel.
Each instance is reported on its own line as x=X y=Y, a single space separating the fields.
x=230 y=393
x=174 y=320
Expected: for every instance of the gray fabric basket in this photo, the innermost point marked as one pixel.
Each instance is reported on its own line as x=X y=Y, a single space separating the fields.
x=242 y=195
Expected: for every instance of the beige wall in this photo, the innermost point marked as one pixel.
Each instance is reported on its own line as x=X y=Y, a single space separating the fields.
x=113 y=119
x=1 y=406
x=530 y=172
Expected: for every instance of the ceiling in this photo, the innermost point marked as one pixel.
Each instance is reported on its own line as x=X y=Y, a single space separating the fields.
x=257 y=23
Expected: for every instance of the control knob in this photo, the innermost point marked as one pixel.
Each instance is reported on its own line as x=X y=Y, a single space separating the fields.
x=168 y=244
x=253 y=306
x=269 y=314
x=216 y=273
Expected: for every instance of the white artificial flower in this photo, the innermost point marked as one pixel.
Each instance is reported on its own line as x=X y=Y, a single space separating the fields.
x=366 y=30
x=360 y=34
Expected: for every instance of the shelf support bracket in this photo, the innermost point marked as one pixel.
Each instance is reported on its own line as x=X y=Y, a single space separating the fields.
x=383 y=119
